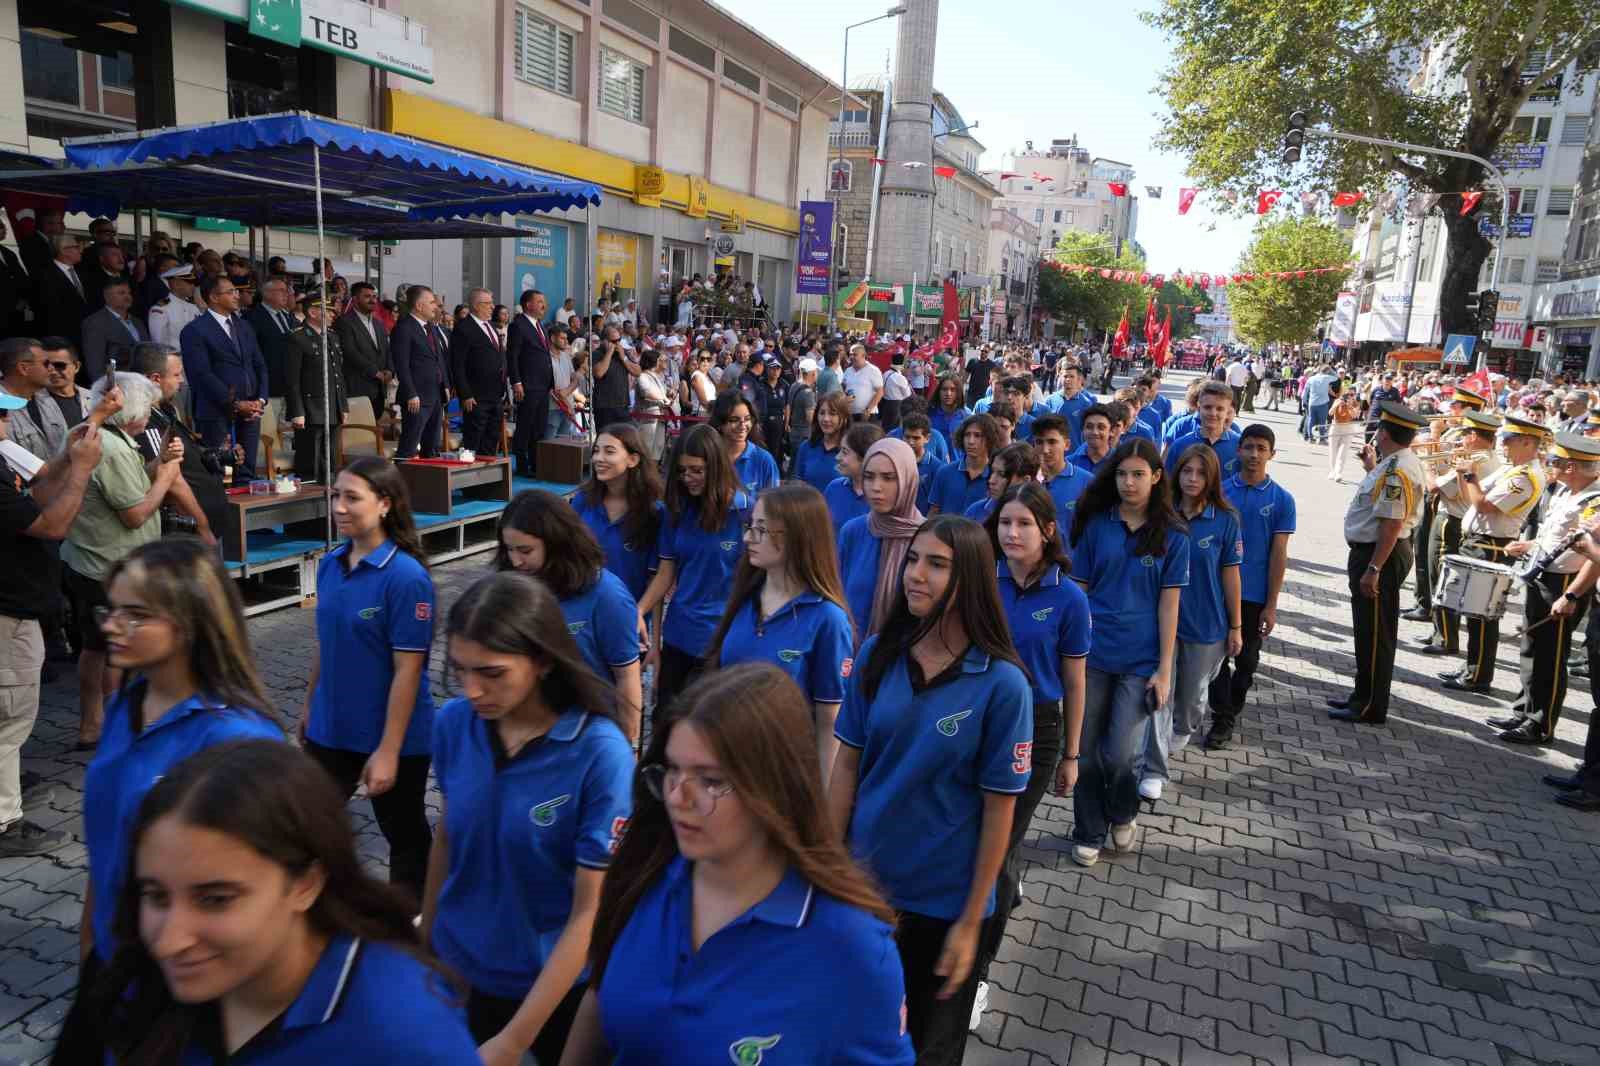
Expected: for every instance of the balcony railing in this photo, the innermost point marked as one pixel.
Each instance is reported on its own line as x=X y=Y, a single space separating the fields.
x=851 y=138
x=1580 y=268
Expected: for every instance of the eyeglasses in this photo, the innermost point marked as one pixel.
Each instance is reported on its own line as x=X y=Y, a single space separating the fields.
x=760 y=533
x=701 y=792
x=130 y=618
x=59 y=367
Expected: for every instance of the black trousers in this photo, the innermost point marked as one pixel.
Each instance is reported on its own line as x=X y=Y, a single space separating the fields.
x=1444 y=538
x=889 y=414
x=1589 y=772
x=533 y=419
x=1047 y=740
x=1376 y=622
x=678 y=671
x=605 y=416
x=309 y=462
x=1542 y=652
x=1483 y=635
x=480 y=428
x=487 y=1015
x=938 y=1027
x=1423 y=536
x=1232 y=683
x=419 y=433
x=81 y=1043
x=401 y=812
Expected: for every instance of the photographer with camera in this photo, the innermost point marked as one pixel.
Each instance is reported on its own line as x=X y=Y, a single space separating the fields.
x=197 y=501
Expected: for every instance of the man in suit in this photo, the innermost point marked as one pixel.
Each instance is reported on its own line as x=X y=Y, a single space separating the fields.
x=420 y=362
x=365 y=342
x=228 y=375
x=272 y=323
x=62 y=303
x=16 y=290
x=315 y=400
x=112 y=331
x=478 y=368
x=35 y=247
x=532 y=376
x=100 y=264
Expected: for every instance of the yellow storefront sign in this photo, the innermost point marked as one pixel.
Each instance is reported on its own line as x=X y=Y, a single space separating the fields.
x=616 y=262
x=699 y=205
x=648 y=184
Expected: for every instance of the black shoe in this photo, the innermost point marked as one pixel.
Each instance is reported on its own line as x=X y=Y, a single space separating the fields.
x=1579 y=801
x=1418 y=614
x=36 y=791
x=24 y=838
x=1338 y=703
x=1459 y=683
x=1528 y=733
x=1218 y=739
x=1451 y=675
x=1428 y=647
x=1350 y=714
x=1563 y=784
x=1510 y=721
x=57 y=650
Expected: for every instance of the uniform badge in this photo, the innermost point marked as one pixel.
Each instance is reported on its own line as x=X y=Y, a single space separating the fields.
x=846 y=666
x=424 y=611
x=749 y=1050
x=1391 y=491
x=1041 y=615
x=368 y=613
x=576 y=627
x=791 y=655
x=544 y=814
x=950 y=724
x=1204 y=543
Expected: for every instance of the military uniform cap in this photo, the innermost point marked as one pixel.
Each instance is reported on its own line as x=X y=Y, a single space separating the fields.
x=1398 y=414
x=1576 y=447
x=1523 y=424
x=1483 y=421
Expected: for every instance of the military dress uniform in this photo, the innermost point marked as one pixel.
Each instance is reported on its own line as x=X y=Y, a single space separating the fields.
x=1445 y=536
x=305 y=385
x=1427 y=572
x=1391 y=490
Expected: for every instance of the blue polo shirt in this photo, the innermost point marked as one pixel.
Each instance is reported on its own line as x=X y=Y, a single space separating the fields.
x=815 y=465
x=1213 y=545
x=705 y=564
x=1142 y=429
x=1079 y=457
x=518 y=828
x=1064 y=489
x=1163 y=405
x=1049 y=622
x=1265 y=510
x=953 y=492
x=808 y=638
x=927 y=758
x=843 y=503
x=800 y=977
x=633 y=563
x=604 y=619
x=366 y=1003
x=1072 y=410
x=1151 y=417
x=980 y=511
x=1024 y=429
x=928 y=468
x=382 y=605
x=947 y=424
x=859 y=552
x=755 y=468
x=1226 y=447
x=127 y=764
x=1177 y=427
x=937 y=445
x=1125 y=593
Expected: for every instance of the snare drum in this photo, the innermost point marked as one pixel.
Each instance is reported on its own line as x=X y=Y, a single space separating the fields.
x=1474 y=588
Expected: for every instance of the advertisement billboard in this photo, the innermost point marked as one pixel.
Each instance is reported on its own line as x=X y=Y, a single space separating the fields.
x=814 y=248
x=540 y=260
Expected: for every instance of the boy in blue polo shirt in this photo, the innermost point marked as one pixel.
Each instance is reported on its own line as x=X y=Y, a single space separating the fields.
x=1072 y=401
x=1216 y=415
x=917 y=431
x=1063 y=480
x=1099 y=428
x=1266 y=521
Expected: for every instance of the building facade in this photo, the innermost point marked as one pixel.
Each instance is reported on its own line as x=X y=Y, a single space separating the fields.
x=1067 y=188
x=1013 y=258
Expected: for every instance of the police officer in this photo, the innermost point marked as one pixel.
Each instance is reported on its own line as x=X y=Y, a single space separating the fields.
x=314 y=391
x=1449 y=432
x=1377 y=526
x=1499 y=505
x=1556 y=593
x=1477 y=440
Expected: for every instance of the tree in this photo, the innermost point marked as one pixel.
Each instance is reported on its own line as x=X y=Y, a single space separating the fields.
x=1240 y=68
x=1177 y=296
x=1098 y=301
x=1287 y=311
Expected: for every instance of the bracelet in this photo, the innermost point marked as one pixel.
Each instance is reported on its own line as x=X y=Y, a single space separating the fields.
x=1374 y=568
x=1069 y=758
x=1236 y=627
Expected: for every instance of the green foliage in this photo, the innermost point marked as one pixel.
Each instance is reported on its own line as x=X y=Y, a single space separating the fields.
x=1098 y=301
x=1175 y=296
x=1287 y=311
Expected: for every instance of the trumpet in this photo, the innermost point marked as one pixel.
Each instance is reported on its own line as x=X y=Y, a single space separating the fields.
x=1444 y=462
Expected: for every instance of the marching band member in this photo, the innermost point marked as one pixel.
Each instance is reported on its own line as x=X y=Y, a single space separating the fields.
x=1477 y=439
x=1445 y=431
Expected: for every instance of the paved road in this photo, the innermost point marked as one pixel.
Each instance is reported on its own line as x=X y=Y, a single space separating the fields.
x=1320 y=893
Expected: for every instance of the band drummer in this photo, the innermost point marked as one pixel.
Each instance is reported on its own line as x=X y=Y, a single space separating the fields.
x=1476 y=443
x=1444 y=431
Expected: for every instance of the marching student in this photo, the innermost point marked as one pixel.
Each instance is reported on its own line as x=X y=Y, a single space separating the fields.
x=1266 y=522
x=1004 y=413
x=949 y=413
x=1072 y=401
x=965 y=481
x=936 y=736
x=1209 y=615
x=873 y=547
x=788 y=607
x=1098 y=425
x=817 y=460
x=734 y=418
x=1063 y=480
x=1131 y=555
x=540 y=534
x=249 y=932
x=917 y=431
x=621 y=504
x=733 y=923
x=369 y=717
x=535 y=782
x=1214 y=430
x=844 y=494
x=1013 y=465
x=699 y=546
x=936 y=448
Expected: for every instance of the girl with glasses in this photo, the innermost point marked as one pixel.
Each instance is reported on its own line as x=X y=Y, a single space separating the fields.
x=873 y=546
x=534 y=778
x=936 y=739
x=753 y=465
x=816 y=461
x=621 y=504
x=844 y=495
x=787 y=606
x=733 y=917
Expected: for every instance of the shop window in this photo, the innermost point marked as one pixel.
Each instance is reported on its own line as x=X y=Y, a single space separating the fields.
x=116 y=72
x=50 y=70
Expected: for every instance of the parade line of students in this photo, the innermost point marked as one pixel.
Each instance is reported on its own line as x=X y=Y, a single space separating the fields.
x=864 y=690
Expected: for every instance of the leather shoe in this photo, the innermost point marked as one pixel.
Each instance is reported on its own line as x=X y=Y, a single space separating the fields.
x=1428 y=647
x=1337 y=702
x=1218 y=740
x=1417 y=614
x=1450 y=675
x=1460 y=684
x=1579 y=801
x=1527 y=733
x=1563 y=783
x=1349 y=714
x=1510 y=721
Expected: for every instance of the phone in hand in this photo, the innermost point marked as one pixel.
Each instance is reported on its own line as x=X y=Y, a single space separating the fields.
x=1152 y=702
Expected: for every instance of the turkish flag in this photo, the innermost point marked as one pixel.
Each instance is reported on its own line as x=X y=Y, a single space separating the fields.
x=1119 y=343
x=25 y=209
x=1118 y=188
x=879 y=162
x=1348 y=199
x=1105 y=272
x=1150 y=325
x=1185 y=199
x=945 y=172
x=1004 y=174
x=1469 y=200
x=1267 y=199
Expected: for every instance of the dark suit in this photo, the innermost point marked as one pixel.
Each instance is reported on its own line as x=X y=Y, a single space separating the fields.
x=274 y=345
x=105 y=337
x=478 y=368
x=529 y=365
x=61 y=306
x=363 y=358
x=421 y=365
x=15 y=284
x=36 y=255
x=221 y=371
x=95 y=280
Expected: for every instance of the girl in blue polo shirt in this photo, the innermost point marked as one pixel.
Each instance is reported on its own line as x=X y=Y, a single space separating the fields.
x=250 y=933
x=787 y=606
x=1131 y=555
x=1208 y=612
x=844 y=494
x=816 y=462
x=965 y=481
x=936 y=742
x=733 y=417
x=734 y=925
x=949 y=413
x=540 y=534
x=872 y=548
x=535 y=779
x=621 y=505
x=175 y=625
x=699 y=546
x=369 y=716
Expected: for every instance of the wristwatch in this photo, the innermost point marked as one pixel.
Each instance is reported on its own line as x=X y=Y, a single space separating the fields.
x=1374 y=568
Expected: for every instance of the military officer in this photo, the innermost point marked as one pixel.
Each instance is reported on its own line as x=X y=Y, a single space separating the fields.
x=1476 y=441
x=306 y=386
x=1447 y=431
x=1378 y=526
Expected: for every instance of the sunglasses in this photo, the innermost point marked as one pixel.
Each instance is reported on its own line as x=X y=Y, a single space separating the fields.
x=59 y=366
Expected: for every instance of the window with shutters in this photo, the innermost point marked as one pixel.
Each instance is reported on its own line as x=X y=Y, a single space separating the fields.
x=1523 y=201
x=621 y=86
x=1574 y=131
x=1559 y=202
x=1529 y=130
x=542 y=53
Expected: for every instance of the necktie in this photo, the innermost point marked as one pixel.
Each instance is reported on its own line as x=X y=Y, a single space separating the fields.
x=494 y=335
x=227 y=327
x=277 y=319
x=133 y=331
x=77 y=282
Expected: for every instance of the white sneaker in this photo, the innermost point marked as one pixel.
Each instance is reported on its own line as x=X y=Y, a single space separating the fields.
x=1084 y=855
x=979 y=1005
x=1150 y=788
x=1122 y=836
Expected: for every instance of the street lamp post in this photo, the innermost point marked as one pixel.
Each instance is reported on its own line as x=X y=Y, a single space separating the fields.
x=844 y=92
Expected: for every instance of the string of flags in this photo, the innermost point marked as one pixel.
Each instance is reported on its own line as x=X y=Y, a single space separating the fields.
x=1194 y=280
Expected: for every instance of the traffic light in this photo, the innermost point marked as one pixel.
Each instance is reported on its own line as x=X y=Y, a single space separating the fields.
x=1295 y=137
x=1488 y=305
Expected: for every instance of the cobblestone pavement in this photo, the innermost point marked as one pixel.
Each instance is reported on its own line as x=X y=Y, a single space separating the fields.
x=1319 y=893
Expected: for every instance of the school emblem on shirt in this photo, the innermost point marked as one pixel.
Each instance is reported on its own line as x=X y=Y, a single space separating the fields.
x=749 y=1050
x=1266 y=512
x=791 y=655
x=950 y=724
x=544 y=814
x=1147 y=560
x=369 y=613
x=1204 y=543
x=729 y=545
x=1041 y=615
x=576 y=627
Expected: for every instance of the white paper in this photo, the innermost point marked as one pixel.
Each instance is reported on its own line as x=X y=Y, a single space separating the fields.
x=20 y=459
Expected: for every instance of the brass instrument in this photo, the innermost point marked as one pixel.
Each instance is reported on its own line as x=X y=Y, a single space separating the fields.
x=1440 y=463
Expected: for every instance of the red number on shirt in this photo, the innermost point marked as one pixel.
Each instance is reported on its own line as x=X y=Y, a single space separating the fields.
x=1024 y=757
x=618 y=827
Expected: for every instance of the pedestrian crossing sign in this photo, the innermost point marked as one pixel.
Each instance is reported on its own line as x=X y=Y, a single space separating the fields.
x=1458 y=349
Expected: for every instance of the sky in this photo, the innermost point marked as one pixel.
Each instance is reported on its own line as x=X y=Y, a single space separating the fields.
x=1039 y=70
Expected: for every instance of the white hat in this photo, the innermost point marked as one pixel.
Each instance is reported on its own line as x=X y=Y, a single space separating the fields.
x=808 y=366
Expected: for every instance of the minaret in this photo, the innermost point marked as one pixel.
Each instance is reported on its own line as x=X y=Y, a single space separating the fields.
x=905 y=203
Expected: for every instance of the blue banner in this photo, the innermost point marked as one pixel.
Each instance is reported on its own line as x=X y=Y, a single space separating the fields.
x=814 y=248
x=1521 y=225
x=541 y=262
